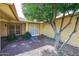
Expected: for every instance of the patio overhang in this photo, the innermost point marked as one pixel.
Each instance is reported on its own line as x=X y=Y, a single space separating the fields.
x=8 y=12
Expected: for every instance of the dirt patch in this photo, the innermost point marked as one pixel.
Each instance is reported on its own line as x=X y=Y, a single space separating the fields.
x=37 y=46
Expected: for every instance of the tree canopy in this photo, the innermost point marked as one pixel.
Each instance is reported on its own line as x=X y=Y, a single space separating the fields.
x=46 y=11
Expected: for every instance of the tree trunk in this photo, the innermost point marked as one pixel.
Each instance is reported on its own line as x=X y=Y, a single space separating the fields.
x=57 y=39
x=57 y=35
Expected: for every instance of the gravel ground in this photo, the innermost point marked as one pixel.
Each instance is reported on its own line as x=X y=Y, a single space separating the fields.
x=69 y=50
x=37 y=46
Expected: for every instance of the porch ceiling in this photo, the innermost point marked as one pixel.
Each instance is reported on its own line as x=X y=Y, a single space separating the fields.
x=7 y=11
x=3 y=15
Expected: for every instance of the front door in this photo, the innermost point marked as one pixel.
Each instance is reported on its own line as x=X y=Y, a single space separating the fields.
x=34 y=29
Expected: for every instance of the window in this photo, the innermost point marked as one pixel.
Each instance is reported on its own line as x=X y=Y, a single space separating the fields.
x=14 y=29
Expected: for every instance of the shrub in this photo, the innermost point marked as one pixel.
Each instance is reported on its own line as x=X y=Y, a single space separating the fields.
x=27 y=36
x=11 y=37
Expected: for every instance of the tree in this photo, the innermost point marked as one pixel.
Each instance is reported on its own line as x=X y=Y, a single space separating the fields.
x=49 y=12
x=74 y=31
x=74 y=8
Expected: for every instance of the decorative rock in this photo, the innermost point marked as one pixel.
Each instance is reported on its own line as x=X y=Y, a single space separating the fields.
x=14 y=45
x=23 y=44
x=30 y=42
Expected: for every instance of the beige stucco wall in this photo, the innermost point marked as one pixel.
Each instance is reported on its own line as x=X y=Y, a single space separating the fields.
x=47 y=30
x=27 y=27
x=23 y=28
x=3 y=29
x=41 y=28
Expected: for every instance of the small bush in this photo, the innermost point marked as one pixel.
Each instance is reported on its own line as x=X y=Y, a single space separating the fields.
x=11 y=37
x=27 y=36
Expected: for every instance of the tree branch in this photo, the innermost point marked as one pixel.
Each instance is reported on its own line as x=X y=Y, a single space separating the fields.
x=62 y=22
x=54 y=21
x=53 y=14
x=68 y=13
x=54 y=27
x=69 y=21
x=76 y=25
x=75 y=30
